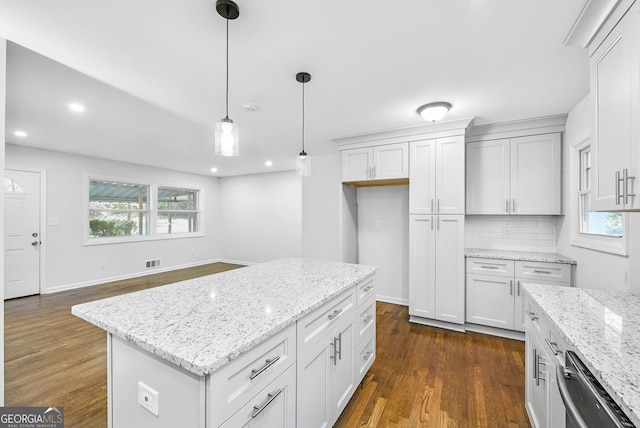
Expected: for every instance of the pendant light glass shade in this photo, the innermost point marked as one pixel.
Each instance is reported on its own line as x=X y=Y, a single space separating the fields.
x=227 y=141
x=303 y=161
x=226 y=138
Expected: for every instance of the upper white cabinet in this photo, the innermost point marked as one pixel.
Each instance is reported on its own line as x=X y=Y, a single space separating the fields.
x=384 y=162
x=437 y=184
x=521 y=175
x=615 y=97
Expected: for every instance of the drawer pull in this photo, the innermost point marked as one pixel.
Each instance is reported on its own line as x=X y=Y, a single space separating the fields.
x=368 y=288
x=366 y=356
x=268 y=363
x=489 y=267
x=335 y=314
x=543 y=272
x=368 y=319
x=553 y=346
x=270 y=397
x=532 y=316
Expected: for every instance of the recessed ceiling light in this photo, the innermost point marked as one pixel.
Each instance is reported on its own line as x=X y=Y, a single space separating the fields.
x=76 y=107
x=214 y=169
x=20 y=134
x=268 y=163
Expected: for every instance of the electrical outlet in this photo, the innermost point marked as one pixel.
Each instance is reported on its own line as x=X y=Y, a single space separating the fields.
x=378 y=224
x=148 y=398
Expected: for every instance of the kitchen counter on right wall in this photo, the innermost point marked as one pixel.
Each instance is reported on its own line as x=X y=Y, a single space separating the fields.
x=527 y=256
x=602 y=328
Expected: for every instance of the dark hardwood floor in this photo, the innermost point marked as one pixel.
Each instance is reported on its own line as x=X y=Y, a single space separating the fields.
x=422 y=376
x=430 y=377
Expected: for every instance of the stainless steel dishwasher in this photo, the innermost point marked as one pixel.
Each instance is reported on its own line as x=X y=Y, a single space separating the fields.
x=588 y=404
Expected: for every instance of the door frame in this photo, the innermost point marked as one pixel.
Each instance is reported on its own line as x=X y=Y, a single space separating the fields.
x=43 y=220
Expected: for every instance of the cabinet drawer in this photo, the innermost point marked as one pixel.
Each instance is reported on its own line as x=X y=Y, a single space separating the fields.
x=366 y=321
x=235 y=384
x=532 y=271
x=365 y=290
x=365 y=356
x=274 y=406
x=496 y=267
x=314 y=326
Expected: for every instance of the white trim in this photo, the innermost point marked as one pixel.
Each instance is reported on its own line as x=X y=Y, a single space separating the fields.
x=606 y=244
x=394 y=300
x=436 y=323
x=43 y=221
x=83 y=284
x=591 y=19
x=494 y=331
x=517 y=128
x=235 y=262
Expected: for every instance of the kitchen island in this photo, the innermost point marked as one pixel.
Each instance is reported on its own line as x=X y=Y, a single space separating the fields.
x=251 y=344
x=601 y=327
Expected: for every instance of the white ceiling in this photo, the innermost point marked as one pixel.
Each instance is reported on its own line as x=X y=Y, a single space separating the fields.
x=157 y=72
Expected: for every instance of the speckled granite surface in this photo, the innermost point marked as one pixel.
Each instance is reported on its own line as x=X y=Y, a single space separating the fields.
x=527 y=256
x=604 y=329
x=203 y=323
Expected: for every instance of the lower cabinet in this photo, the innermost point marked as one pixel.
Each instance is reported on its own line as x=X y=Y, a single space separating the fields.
x=494 y=294
x=544 y=351
x=436 y=268
x=326 y=378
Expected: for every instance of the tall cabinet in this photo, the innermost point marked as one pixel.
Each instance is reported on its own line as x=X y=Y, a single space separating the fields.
x=436 y=231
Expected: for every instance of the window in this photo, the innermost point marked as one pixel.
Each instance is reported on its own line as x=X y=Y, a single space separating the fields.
x=177 y=210
x=599 y=223
x=601 y=231
x=118 y=209
x=123 y=210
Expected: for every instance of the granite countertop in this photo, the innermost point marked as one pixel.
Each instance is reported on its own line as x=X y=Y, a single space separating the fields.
x=602 y=327
x=527 y=256
x=203 y=323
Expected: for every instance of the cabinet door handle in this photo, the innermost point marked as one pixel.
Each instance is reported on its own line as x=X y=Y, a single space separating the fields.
x=334 y=314
x=431 y=205
x=544 y=272
x=268 y=363
x=334 y=357
x=489 y=267
x=513 y=206
x=553 y=346
x=367 y=319
x=511 y=287
x=535 y=365
x=625 y=185
x=366 y=356
x=368 y=288
x=518 y=287
x=438 y=205
x=532 y=316
x=506 y=205
x=619 y=195
x=375 y=171
x=270 y=397
x=339 y=351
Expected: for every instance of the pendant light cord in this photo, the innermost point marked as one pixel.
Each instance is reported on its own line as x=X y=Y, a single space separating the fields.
x=302 y=117
x=227 y=89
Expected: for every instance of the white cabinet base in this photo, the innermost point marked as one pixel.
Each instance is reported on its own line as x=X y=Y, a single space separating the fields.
x=436 y=323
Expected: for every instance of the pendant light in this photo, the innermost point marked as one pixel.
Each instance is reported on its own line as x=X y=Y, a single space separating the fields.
x=226 y=132
x=303 y=161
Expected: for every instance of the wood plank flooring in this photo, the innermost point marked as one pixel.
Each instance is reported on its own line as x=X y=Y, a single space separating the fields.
x=430 y=377
x=422 y=376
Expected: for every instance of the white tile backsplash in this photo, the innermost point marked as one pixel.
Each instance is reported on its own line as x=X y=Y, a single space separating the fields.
x=514 y=232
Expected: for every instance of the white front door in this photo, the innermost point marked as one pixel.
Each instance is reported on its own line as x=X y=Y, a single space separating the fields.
x=21 y=233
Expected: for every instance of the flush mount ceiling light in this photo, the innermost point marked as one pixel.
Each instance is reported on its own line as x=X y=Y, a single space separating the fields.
x=226 y=133
x=434 y=111
x=303 y=161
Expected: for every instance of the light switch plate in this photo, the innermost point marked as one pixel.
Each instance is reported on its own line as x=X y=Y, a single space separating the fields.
x=148 y=397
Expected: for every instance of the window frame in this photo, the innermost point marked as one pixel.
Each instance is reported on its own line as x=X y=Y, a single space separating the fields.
x=152 y=208
x=605 y=243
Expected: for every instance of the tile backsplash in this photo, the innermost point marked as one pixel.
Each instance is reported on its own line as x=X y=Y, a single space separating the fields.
x=511 y=232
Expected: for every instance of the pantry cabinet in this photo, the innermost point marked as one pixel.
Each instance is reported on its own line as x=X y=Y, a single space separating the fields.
x=520 y=175
x=436 y=277
x=383 y=162
x=615 y=99
x=437 y=171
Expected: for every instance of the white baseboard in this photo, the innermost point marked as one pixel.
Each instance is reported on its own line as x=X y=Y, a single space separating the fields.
x=391 y=299
x=436 y=323
x=76 y=285
x=236 y=262
x=494 y=331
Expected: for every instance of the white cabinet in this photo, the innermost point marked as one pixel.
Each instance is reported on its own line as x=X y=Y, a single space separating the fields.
x=383 y=162
x=521 y=175
x=615 y=97
x=436 y=277
x=326 y=378
x=437 y=172
x=494 y=295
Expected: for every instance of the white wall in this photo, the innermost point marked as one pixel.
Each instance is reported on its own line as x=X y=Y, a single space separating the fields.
x=69 y=263
x=383 y=239
x=595 y=269
x=261 y=216
x=3 y=74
